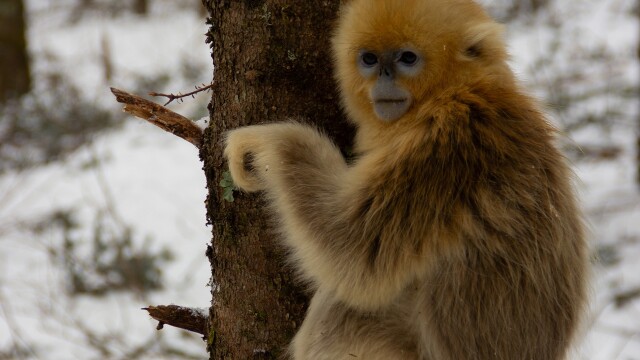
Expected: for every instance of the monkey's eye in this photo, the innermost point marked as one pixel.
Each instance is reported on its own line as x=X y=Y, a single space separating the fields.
x=408 y=58
x=473 y=51
x=369 y=59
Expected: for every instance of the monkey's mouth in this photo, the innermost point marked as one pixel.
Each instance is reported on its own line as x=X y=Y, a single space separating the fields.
x=391 y=109
x=392 y=101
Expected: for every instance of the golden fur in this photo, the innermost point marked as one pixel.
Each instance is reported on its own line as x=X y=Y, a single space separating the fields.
x=455 y=233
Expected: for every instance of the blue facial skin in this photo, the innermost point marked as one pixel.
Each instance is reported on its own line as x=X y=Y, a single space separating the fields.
x=390 y=100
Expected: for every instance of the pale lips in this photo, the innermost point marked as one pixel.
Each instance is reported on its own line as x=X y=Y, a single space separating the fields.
x=391 y=109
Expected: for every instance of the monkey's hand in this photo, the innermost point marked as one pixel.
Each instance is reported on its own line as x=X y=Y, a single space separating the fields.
x=276 y=157
x=242 y=146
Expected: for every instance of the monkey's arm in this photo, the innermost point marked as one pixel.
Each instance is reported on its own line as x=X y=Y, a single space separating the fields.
x=347 y=233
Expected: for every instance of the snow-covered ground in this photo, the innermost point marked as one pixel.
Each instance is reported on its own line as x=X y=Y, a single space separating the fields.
x=153 y=181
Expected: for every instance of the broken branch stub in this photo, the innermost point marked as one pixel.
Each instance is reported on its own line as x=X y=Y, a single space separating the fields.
x=186 y=318
x=160 y=116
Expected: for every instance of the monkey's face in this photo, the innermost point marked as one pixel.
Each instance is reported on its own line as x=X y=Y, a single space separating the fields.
x=389 y=97
x=393 y=57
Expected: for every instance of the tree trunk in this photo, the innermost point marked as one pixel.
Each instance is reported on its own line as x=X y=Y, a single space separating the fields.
x=14 y=63
x=272 y=62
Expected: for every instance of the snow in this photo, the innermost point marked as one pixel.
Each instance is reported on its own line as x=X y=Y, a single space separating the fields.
x=154 y=182
x=148 y=178
x=158 y=186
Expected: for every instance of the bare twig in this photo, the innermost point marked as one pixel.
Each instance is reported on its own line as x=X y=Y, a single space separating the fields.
x=160 y=116
x=180 y=96
x=625 y=297
x=593 y=151
x=181 y=317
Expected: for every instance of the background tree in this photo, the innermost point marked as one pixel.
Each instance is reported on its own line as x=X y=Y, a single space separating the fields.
x=141 y=7
x=14 y=62
x=272 y=61
x=637 y=10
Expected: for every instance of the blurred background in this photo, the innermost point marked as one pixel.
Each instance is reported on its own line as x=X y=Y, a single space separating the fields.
x=101 y=215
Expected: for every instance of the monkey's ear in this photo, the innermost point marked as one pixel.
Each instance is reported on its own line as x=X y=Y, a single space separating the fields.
x=483 y=39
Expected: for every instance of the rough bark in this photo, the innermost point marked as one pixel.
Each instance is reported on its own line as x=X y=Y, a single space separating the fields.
x=272 y=62
x=14 y=63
